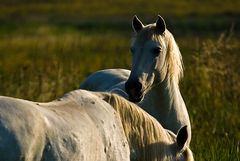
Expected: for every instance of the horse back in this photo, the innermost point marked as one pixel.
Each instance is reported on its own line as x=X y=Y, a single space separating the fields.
x=105 y=80
x=76 y=127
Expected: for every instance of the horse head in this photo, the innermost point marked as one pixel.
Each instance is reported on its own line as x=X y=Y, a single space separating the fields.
x=149 y=50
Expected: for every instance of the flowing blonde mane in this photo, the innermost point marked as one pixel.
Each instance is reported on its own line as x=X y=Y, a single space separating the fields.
x=174 y=59
x=148 y=140
x=146 y=137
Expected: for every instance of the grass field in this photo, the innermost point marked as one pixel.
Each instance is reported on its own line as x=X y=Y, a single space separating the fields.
x=48 y=48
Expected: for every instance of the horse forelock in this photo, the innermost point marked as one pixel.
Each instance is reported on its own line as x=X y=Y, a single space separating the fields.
x=147 y=33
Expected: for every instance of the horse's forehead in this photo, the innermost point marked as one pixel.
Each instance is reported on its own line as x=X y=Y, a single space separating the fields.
x=146 y=35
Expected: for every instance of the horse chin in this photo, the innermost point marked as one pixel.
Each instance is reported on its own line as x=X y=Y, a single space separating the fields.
x=136 y=99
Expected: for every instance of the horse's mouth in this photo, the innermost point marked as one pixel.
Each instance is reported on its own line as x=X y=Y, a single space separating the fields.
x=135 y=99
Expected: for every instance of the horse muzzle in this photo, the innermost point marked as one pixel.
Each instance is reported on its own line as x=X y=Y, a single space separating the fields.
x=134 y=91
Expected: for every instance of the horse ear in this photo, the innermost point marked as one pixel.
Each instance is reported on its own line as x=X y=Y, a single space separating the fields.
x=160 y=25
x=137 y=24
x=182 y=137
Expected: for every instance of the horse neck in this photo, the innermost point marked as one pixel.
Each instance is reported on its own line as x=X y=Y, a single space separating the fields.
x=166 y=102
x=146 y=137
x=170 y=94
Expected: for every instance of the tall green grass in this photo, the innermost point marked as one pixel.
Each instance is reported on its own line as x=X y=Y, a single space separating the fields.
x=47 y=47
x=42 y=62
x=211 y=90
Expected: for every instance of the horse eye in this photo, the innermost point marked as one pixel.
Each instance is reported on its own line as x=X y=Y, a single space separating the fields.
x=156 y=50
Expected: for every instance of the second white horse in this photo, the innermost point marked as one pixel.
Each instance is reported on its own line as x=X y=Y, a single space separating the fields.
x=153 y=81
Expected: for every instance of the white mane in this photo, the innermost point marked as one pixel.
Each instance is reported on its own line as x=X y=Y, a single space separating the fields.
x=147 y=138
x=174 y=59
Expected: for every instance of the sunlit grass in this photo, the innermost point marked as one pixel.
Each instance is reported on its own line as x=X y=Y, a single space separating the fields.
x=211 y=91
x=43 y=62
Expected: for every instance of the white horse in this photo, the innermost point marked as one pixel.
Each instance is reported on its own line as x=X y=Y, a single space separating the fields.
x=85 y=126
x=154 y=78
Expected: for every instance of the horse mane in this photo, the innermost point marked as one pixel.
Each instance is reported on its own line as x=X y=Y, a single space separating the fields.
x=146 y=137
x=174 y=59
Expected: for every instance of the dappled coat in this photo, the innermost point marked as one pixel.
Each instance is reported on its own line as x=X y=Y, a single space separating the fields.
x=86 y=126
x=78 y=126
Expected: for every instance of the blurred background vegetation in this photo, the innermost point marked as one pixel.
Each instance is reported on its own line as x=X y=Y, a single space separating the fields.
x=47 y=47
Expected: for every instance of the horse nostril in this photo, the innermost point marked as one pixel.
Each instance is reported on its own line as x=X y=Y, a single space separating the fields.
x=129 y=85
x=133 y=89
x=138 y=87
